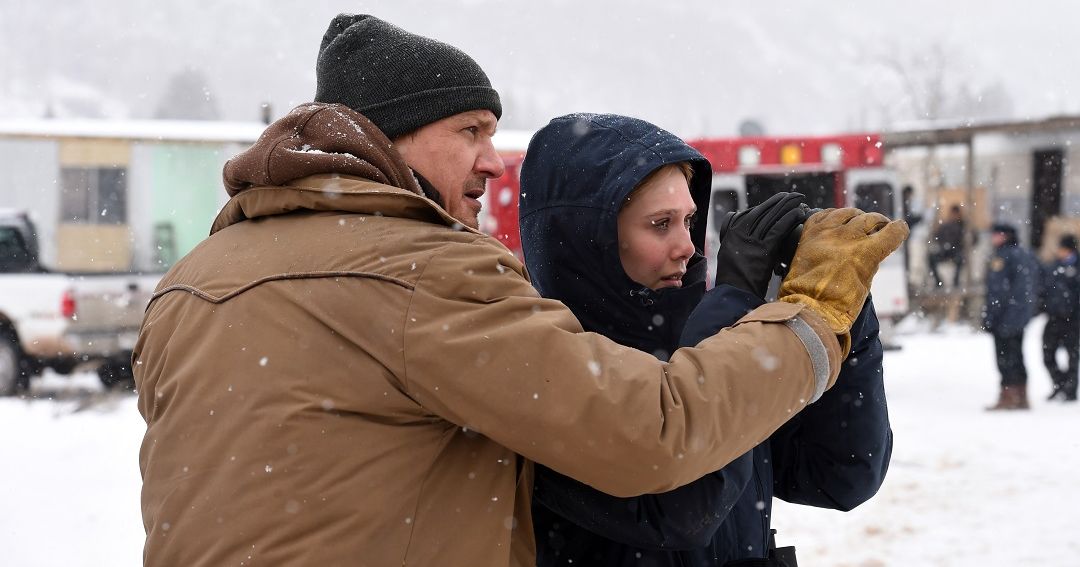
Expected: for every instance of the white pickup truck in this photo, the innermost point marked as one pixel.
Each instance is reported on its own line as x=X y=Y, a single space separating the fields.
x=63 y=321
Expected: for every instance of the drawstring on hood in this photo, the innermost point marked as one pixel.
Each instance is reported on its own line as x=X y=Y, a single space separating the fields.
x=577 y=174
x=645 y=295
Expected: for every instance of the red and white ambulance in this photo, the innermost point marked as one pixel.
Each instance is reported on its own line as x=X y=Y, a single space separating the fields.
x=832 y=171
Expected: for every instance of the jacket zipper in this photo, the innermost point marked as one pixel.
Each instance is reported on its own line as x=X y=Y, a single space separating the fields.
x=764 y=506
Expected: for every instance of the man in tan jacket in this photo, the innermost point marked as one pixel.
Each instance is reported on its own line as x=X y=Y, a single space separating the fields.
x=346 y=372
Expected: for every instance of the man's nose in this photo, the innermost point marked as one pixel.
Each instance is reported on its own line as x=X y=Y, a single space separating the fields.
x=489 y=163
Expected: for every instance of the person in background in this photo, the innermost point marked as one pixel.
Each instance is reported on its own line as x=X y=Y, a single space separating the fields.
x=1060 y=292
x=1012 y=276
x=947 y=245
x=346 y=371
x=608 y=209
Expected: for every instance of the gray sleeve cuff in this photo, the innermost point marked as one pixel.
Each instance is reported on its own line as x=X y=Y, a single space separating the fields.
x=819 y=357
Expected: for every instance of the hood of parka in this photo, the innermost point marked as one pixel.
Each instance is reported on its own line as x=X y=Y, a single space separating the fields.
x=317 y=141
x=577 y=173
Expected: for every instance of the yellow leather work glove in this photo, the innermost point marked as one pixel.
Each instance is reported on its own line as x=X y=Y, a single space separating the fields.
x=838 y=254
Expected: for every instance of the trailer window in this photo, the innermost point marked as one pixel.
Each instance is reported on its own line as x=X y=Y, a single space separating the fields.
x=875 y=198
x=723 y=201
x=93 y=195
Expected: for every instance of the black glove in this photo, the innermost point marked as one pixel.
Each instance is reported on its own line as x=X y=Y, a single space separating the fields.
x=752 y=241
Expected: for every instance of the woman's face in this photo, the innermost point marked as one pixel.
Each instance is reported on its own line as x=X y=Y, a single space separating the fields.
x=654 y=230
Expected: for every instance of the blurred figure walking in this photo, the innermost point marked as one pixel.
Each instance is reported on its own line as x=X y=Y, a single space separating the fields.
x=1061 y=302
x=1011 y=286
x=947 y=245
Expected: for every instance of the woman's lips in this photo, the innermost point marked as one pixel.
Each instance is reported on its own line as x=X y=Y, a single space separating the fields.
x=674 y=280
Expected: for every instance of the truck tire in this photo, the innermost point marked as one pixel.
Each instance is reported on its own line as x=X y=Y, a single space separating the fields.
x=116 y=375
x=13 y=377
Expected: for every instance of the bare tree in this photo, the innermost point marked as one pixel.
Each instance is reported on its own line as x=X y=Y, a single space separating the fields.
x=934 y=82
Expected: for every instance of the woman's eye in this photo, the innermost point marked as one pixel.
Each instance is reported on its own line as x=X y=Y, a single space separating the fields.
x=661 y=224
x=690 y=220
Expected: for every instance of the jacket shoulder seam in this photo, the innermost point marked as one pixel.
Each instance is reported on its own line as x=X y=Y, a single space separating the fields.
x=276 y=277
x=479 y=241
x=405 y=326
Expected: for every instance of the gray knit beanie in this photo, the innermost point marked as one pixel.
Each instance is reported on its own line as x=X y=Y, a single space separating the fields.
x=398 y=80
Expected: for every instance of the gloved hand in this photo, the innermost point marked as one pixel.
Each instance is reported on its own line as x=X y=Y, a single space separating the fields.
x=839 y=253
x=751 y=241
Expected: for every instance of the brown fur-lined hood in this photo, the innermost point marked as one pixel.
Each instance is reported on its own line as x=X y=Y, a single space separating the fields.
x=319 y=138
x=323 y=157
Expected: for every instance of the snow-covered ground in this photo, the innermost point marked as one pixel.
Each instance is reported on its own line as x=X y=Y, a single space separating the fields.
x=69 y=476
x=966 y=487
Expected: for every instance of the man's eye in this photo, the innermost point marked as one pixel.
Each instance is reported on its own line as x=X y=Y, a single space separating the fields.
x=473 y=130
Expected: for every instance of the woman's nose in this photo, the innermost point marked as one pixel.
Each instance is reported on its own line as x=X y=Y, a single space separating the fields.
x=684 y=248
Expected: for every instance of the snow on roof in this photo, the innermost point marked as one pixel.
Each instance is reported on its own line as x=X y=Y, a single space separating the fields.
x=163 y=130
x=937 y=132
x=179 y=131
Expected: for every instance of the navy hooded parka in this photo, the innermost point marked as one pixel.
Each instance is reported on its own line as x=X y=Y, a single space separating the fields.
x=1012 y=286
x=578 y=172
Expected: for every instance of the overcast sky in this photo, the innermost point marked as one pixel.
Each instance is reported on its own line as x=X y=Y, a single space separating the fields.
x=695 y=67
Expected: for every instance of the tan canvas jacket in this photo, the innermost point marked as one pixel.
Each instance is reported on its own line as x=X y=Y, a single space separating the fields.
x=342 y=375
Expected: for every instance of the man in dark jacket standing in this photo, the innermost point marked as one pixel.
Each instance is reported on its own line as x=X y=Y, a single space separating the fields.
x=1011 y=286
x=947 y=245
x=1061 y=302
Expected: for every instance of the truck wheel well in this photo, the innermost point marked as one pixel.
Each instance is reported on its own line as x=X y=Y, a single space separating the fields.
x=7 y=332
x=15 y=375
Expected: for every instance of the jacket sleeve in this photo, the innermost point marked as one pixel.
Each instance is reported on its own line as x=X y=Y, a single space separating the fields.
x=483 y=351
x=1031 y=283
x=1046 y=287
x=684 y=518
x=835 y=453
x=1056 y=290
x=1022 y=287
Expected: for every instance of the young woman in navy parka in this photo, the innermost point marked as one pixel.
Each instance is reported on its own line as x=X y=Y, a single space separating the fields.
x=595 y=239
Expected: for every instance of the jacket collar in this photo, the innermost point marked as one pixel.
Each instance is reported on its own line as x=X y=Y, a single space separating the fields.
x=324 y=157
x=332 y=192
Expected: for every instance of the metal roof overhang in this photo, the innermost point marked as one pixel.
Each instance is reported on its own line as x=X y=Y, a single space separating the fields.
x=965 y=133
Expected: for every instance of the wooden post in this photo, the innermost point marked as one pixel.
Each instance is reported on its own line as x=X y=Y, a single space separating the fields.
x=969 y=220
